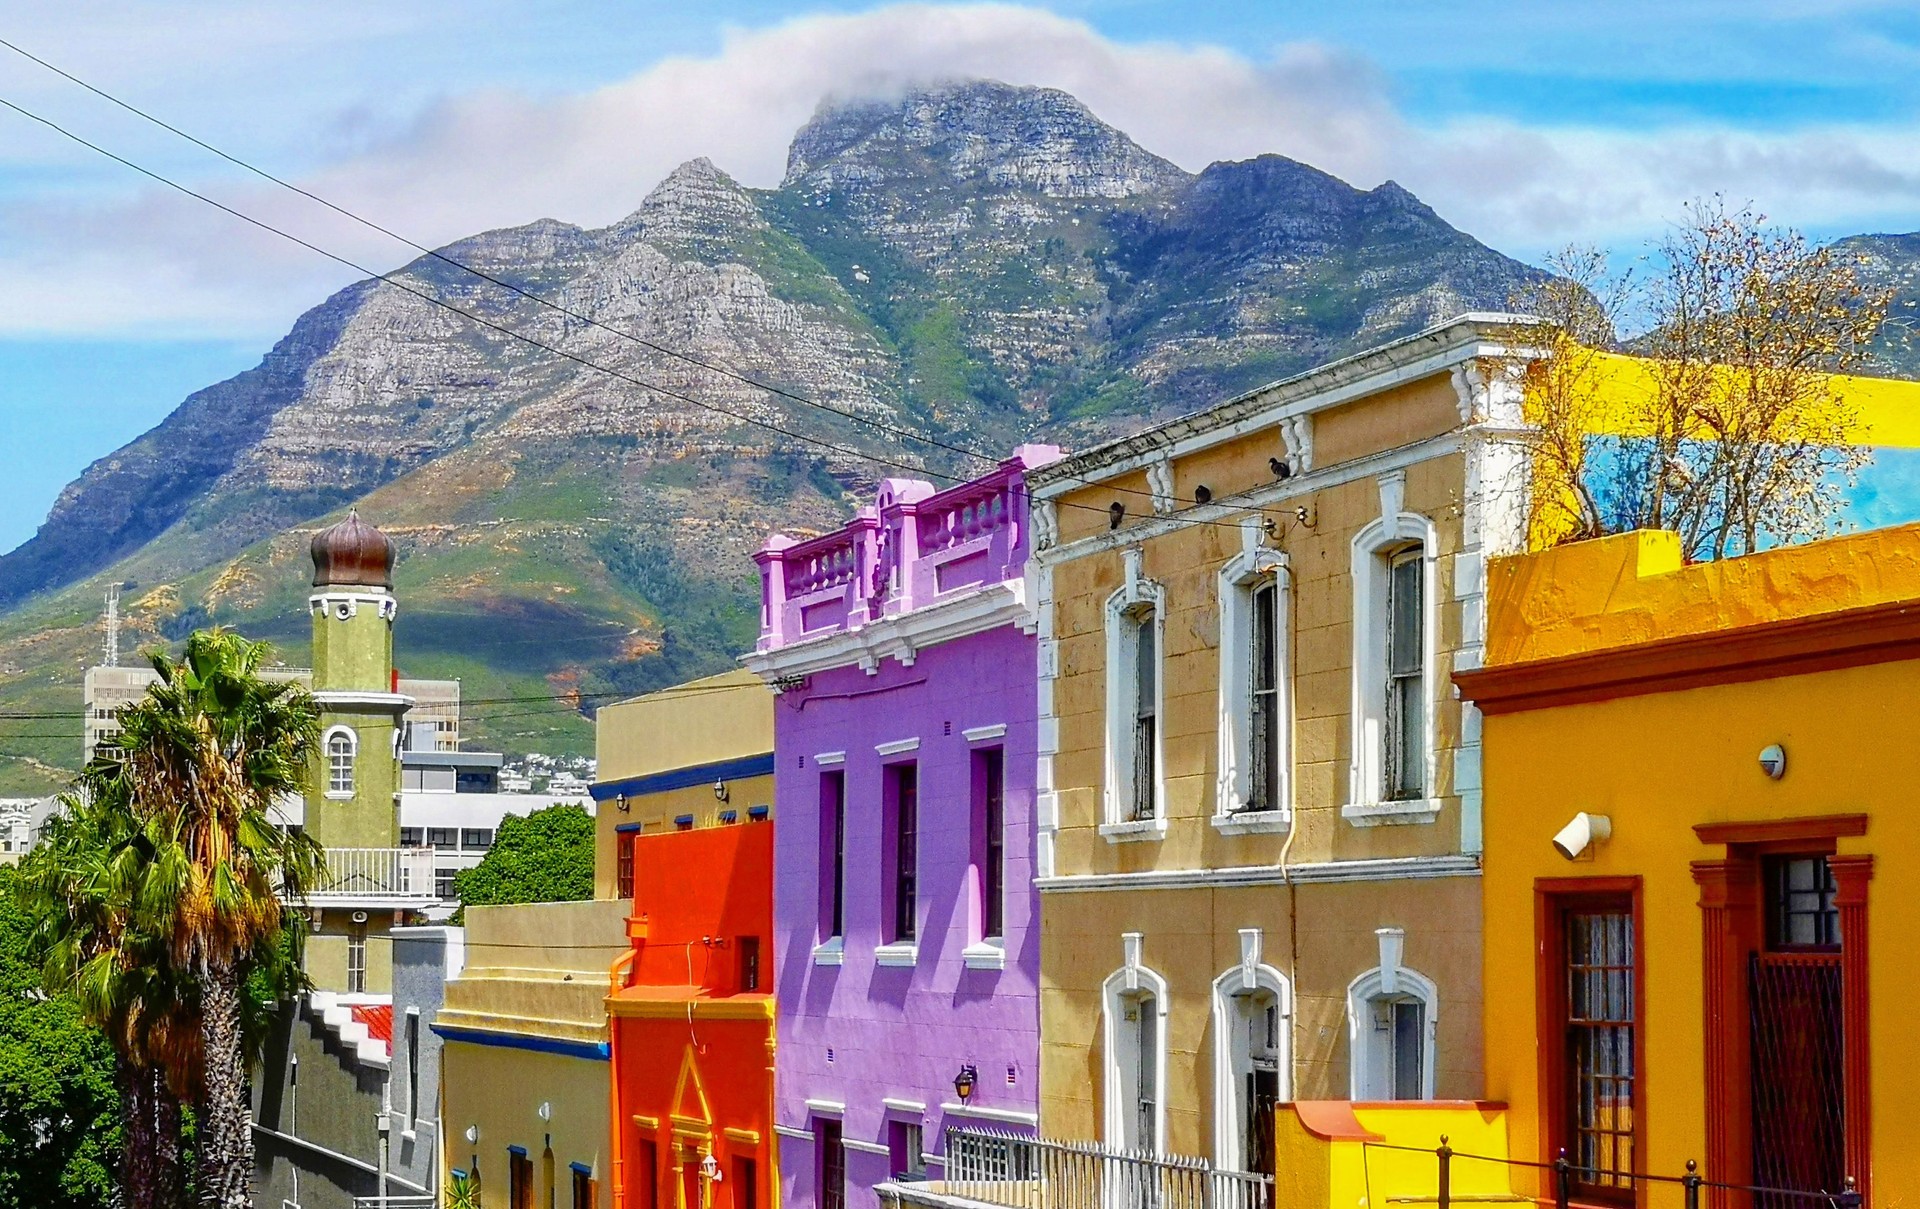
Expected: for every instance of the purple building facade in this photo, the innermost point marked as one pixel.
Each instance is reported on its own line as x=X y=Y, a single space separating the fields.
x=906 y=924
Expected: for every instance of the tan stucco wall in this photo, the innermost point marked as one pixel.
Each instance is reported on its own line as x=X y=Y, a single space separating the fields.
x=1192 y=937
x=499 y=1091
x=326 y=952
x=702 y=721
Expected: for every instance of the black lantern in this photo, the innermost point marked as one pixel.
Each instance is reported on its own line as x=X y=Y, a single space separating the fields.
x=964 y=1081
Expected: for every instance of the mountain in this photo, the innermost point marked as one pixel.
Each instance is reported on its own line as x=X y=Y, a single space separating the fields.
x=974 y=263
x=1893 y=262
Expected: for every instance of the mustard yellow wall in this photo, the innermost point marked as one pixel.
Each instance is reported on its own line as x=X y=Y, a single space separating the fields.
x=1659 y=764
x=721 y=717
x=1192 y=937
x=1887 y=410
x=500 y=1090
x=326 y=953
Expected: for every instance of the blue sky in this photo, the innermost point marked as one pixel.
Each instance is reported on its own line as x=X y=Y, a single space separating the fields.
x=1529 y=124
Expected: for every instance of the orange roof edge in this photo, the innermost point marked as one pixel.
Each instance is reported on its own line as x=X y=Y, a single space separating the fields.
x=1332 y=1121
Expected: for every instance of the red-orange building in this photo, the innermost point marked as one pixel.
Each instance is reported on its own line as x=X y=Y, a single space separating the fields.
x=692 y=1023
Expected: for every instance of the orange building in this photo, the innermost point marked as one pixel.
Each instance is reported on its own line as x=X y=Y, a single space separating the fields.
x=692 y=1024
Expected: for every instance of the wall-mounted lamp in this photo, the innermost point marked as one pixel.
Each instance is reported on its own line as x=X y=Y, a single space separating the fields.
x=1280 y=469
x=720 y=793
x=545 y=1111
x=622 y=803
x=473 y=1133
x=710 y=1168
x=963 y=1083
x=1576 y=839
x=1773 y=761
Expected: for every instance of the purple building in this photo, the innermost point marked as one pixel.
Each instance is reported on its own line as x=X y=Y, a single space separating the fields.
x=906 y=925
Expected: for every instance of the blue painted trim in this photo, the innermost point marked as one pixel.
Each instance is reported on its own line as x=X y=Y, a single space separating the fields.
x=683 y=820
x=582 y=1168
x=729 y=816
x=684 y=778
x=624 y=828
x=592 y=1050
x=758 y=812
x=520 y=1151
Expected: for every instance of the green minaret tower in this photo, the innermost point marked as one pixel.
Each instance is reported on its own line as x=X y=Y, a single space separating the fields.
x=355 y=803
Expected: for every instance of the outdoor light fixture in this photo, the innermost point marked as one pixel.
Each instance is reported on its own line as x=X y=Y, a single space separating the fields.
x=1280 y=469
x=710 y=1168
x=1577 y=838
x=964 y=1081
x=473 y=1133
x=1773 y=761
x=720 y=791
x=545 y=1111
x=621 y=802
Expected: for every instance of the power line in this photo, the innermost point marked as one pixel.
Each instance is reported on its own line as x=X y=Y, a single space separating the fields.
x=892 y=430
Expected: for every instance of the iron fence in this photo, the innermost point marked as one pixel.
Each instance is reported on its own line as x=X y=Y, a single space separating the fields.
x=394 y=1202
x=1006 y=1169
x=1562 y=1174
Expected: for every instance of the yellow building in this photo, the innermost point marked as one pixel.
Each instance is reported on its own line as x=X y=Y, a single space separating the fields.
x=698 y=753
x=1260 y=800
x=525 y=1064
x=1701 y=846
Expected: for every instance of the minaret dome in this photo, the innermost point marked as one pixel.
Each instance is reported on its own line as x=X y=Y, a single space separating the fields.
x=352 y=554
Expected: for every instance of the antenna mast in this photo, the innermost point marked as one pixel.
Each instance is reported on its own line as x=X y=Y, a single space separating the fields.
x=113 y=626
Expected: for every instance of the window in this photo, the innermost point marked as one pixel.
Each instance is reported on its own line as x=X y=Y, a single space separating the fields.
x=1263 y=747
x=683 y=822
x=990 y=840
x=1801 y=913
x=1589 y=1038
x=833 y=854
x=903 y=793
x=443 y=882
x=746 y=1183
x=904 y=1150
x=476 y=837
x=1251 y=1069
x=441 y=838
x=623 y=864
x=1394 y=630
x=413 y=1065
x=341 y=745
x=832 y=1164
x=583 y=1189
x=1406 y=731
x=1390 y=1029
x=1133 y=757
x=748 y=947
x=519 y=1179
x=357 y=960
x=410 y=837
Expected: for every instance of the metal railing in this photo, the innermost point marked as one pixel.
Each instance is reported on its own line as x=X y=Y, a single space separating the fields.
x=1563 y=1175
x=997 y=1168
x=355 y=873
x=409 y=1201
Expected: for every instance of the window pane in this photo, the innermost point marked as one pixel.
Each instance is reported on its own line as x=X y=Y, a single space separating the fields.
x=1146 y=666
x=1600 y=1074
x=1264 y=719
x=1403 y=616
x=1409 y=1049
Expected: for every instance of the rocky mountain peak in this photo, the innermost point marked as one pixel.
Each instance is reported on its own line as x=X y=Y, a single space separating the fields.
x=975 y=132
x=695 y=201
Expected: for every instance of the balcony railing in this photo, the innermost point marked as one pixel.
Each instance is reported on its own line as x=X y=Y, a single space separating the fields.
x=376 y=874
x=989 y=1167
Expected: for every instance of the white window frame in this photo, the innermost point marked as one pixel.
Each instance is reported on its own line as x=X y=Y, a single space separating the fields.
x=1239 y=577
x=1132 y=981
x=1374 y=549
x=353 y=758
x=1122 y=625
x=357 y=947
x=1228 y=1107
x=1361 y=992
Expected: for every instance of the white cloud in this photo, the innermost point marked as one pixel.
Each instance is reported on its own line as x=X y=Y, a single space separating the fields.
x=157 y=262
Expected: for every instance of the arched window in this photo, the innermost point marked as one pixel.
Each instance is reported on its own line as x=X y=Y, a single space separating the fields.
x=1252 y=1063
x=1134 y=1018
x=342 y=746
x=1252 y=792
x=1391 y=1029
x=1394 y=762
x=1134 y=621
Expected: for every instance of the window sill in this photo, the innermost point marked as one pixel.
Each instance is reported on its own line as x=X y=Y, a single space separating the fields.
x=1392 y=814
x=339 y=795
x=987 y=955
x=1141 y=829
x=903 y=955
x=831 y=952
x=1253 y=822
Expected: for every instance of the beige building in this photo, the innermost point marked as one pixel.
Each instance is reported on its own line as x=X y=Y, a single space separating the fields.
x=1260 y=812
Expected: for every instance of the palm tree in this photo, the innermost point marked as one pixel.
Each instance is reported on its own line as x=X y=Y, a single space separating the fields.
x=197 y=768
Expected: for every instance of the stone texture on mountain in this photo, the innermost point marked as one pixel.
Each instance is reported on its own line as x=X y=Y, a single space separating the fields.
x=975 y=263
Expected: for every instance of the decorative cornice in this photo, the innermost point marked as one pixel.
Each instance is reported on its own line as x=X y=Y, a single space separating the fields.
x=1774 y=831
x=901 y=636
x=1883 y=633
x=351 y=699
x=1378 y=870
